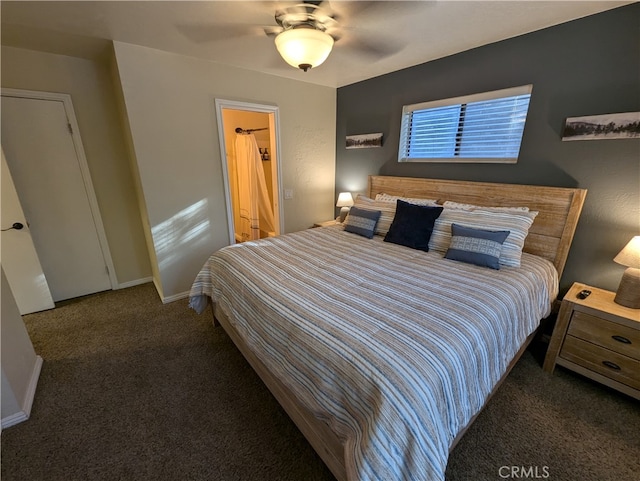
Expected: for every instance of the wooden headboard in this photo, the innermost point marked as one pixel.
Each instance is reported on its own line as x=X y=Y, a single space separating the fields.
x=550 y=235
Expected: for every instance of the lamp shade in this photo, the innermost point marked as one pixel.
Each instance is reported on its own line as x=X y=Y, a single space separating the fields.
x=630 y=255
x=304 y=48
x=628 y=293
x=345 y=199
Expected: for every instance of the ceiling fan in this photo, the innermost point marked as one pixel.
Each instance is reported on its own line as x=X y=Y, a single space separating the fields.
x=307 y=31
x=303 y=36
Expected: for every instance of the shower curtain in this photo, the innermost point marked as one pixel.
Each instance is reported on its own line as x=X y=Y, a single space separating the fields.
x=254 y=205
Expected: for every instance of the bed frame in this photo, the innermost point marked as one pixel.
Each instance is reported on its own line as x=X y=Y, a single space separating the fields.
x=550 y=237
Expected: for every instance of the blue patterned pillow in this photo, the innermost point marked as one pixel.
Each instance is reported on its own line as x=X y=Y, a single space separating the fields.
x=362 y=221
x=476 y=246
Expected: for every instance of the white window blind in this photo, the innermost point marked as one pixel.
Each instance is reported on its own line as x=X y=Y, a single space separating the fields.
x=486 y=127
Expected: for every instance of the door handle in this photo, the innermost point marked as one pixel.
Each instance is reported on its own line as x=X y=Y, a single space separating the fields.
x=16 y=226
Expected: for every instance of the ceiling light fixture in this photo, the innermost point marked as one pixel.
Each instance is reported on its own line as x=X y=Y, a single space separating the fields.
x=304 y=47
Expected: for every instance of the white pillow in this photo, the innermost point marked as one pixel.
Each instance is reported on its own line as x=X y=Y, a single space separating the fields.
x=411 y=200
x=387 y=210
x=516 y=222
x=458 y=205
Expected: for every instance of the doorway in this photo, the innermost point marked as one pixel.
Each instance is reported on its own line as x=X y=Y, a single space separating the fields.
x=249 y=150
x=45 y=157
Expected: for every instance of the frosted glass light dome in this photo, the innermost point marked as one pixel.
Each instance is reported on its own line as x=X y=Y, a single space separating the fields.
x=304 y=48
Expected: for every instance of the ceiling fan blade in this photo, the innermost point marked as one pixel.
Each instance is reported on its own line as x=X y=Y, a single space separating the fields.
x=361 y=9
x=206 y=33
x=273 y=30
x=375 y=48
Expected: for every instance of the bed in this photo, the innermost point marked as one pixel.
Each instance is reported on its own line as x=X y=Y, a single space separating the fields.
x=383 y=355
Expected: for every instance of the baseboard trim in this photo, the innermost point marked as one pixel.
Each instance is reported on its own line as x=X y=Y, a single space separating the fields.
x=33 y=384
x=136 y=282
x=175 y=297
x=168 y=299
x=29 y=396
x=14 y=419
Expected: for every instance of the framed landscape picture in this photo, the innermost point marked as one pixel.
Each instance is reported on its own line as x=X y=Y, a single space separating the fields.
x=364 y=141
x=607 y=126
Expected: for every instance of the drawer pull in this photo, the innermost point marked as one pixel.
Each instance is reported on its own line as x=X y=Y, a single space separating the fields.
x=621 y=339
x=611 y=365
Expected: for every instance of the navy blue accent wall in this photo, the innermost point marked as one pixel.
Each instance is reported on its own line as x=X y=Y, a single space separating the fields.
x=589 y=66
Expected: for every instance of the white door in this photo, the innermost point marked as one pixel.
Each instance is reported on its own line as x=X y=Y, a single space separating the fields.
x=22 y=267
x=53 y=190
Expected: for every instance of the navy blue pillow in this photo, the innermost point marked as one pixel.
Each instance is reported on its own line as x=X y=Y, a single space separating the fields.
x=362 y=221
x=476 y=246
x=412 y=225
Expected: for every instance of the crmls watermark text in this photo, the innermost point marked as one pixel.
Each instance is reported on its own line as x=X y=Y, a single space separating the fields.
x=523 y=472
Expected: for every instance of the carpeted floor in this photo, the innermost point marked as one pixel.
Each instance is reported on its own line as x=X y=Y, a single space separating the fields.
x=132 y=389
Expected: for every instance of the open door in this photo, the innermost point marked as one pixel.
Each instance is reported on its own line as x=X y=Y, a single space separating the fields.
x=45 y=156
x=249 y=118
x=18 y=256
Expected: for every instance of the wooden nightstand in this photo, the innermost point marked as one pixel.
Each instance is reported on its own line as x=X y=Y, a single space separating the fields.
x=326 y=223
x=597 y=338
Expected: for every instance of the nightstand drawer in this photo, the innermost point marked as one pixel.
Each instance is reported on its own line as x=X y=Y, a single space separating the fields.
x=603 y=361
x=610 y=335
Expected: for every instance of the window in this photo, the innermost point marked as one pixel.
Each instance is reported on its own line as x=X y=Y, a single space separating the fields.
x=484 y=127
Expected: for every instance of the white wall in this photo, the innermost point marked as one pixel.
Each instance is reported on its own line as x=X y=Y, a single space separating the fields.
x=89 y=84
x=170 y=105
x=20 y=364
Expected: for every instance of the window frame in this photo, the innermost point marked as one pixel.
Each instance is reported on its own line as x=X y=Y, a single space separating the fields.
x=407 y=111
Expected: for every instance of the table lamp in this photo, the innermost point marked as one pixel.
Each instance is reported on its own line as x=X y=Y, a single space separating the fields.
x=345 y=200
x=628 y=293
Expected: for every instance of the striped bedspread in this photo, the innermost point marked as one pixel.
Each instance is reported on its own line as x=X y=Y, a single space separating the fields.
x=396 y=349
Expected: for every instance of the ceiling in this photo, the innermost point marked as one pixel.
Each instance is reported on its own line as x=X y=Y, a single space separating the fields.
x=375 y=37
